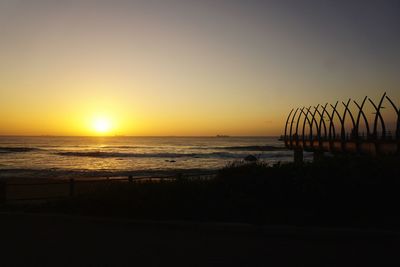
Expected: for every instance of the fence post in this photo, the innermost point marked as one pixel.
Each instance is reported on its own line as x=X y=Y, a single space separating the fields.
x=3 y=192
x=71 y=187
x=130 y=178
x=298 y=156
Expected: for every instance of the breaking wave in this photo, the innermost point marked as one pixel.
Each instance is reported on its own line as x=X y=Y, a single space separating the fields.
x=254 y=148
x=100 y=154
x=4 y=150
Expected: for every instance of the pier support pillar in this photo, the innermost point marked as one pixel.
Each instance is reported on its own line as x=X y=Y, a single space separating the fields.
x=298 y=156
x=318 y=155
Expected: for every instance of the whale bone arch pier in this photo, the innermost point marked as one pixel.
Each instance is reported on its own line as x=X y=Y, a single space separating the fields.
x=338 y=131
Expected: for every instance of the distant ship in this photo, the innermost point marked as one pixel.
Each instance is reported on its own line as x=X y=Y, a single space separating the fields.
x=221 y=136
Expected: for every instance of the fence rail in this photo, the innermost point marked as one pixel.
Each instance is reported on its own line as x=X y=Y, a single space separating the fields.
x=70 y=186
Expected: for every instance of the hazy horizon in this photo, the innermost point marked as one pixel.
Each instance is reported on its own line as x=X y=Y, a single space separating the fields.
x=107 y=136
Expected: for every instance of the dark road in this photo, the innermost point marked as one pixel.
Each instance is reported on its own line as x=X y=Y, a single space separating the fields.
x=56 y=240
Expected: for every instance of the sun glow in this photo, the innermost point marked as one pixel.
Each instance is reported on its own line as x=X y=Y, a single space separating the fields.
x=102 y=125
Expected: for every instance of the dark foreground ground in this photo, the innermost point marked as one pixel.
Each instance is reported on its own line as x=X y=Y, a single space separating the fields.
x=60 y=240
x=335 y=207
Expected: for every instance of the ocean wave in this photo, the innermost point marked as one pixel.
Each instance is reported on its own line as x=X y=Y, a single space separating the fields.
x=101 y=154
x=4 y=150
x=254 y=148
x=241 y=148
x=229 y=155
x=128 y=147
x=237 y=148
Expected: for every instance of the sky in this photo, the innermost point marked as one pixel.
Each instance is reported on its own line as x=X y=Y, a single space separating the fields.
x=188 y=67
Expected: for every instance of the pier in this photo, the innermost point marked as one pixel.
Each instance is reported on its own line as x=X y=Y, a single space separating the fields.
x=345 y=128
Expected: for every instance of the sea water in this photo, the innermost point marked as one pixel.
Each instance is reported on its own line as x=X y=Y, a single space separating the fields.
x=113 y=156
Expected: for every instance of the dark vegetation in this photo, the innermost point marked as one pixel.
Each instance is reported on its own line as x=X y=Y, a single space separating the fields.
x=345 y=192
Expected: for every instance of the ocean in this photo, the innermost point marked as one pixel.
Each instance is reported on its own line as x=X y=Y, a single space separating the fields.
x=62 y=157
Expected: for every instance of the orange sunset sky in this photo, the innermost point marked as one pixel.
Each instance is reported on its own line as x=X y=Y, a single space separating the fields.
x=188 y=67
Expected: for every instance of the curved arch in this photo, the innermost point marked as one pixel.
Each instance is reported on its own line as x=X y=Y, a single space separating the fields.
x=313 y=118
x=398 y=117
x=304 y=125
x=332 y=117
x=297 y=126
x=331 y=124
x=291 y=128
x=361 y=112
x=286 y=125
x=378 y=115
x=313 y=121
x=322 y=121
x=342 y=132
x=316 y=126
x=347 y=110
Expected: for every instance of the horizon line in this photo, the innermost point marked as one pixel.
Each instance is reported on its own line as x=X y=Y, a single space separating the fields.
x=214 y=136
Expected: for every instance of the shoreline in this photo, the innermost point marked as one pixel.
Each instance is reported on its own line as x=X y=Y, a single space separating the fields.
x=59 y=174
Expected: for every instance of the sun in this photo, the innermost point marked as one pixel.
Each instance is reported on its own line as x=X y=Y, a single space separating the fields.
x=102 y=125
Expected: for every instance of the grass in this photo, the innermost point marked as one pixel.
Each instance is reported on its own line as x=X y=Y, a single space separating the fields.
x=340 y=191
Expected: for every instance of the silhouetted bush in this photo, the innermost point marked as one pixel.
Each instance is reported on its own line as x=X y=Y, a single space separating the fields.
x=338 y=191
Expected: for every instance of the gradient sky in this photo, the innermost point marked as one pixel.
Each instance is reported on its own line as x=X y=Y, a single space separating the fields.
x=188 y=67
